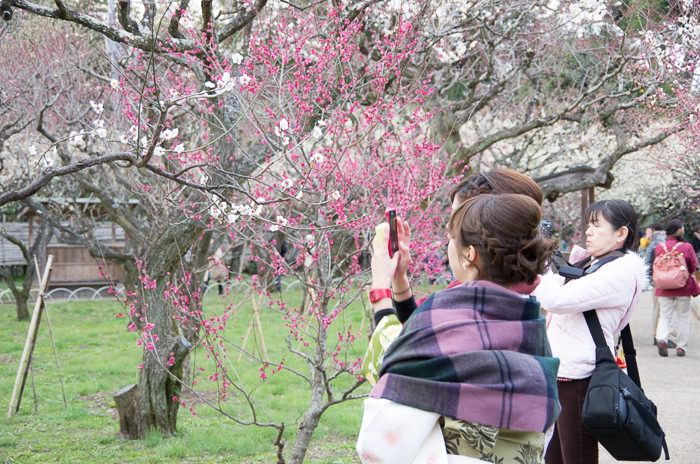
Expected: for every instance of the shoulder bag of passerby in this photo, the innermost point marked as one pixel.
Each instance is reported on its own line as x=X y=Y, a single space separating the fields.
x=616 y=411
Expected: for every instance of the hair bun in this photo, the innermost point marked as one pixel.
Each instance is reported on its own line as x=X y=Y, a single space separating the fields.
x=505 y=230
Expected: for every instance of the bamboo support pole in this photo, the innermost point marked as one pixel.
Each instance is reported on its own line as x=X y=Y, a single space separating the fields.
x=26 y=359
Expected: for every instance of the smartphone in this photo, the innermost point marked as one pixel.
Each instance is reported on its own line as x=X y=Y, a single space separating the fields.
x=393 y=232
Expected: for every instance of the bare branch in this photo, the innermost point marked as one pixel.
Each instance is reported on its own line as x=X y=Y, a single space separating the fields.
x=154 y=140
x=49 y=173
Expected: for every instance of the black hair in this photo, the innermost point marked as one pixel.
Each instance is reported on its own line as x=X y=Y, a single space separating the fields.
x=620 y=214
x=673 y=226
x=657 y=226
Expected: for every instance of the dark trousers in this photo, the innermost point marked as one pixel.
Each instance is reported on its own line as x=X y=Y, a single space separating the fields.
x=571 y=443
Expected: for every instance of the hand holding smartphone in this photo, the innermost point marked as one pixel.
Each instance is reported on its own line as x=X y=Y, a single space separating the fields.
x=393 y=232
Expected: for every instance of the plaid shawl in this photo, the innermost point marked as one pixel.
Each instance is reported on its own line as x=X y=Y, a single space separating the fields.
x=476 y=352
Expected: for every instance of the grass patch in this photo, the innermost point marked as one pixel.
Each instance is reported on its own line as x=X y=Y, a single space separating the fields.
x=98 y=356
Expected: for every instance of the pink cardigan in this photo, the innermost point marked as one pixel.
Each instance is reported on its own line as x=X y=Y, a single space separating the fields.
x=613 y=290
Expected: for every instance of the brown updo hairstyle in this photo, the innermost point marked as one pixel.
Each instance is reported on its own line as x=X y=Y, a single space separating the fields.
x=505 y=230
x=496 y=181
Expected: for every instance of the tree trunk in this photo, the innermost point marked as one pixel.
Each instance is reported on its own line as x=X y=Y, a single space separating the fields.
x=156 y=402
x=315 y=409
x=128 y=401
x=22 y=311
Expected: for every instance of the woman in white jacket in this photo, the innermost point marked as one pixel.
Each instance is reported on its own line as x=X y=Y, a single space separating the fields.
x=613 y=290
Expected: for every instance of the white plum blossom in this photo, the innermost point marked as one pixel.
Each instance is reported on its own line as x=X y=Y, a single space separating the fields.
x=225 y=83
x=282 y=220
x=209 y=85
x=158 y=151
x=232 y=218
x=285 y=141
x=133 y=132
x=274 y=228
x=100 y=130
x=317 y=133
x=179 y=148
x=236 y=58
x=335 y=195
x=215 y=212
x=287 y=183
x=283 y=124
x=144 y=141
x=97 y=107
x=33 y=151
x=114 y=83
x=259 y=208
x=243 y=210
x=317 y=158
x=244 y=79
x=76 y=140
x=169 y=134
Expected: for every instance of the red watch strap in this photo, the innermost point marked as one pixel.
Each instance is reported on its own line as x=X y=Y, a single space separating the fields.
x=377 y=294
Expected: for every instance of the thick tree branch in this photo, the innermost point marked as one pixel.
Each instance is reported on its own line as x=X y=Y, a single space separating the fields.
x=18 y=243
x=125 y=18
x=173 y=27
x=553 y=188
x=207 y=22
x=49 y=173
x=89 y=22
x=239 y=21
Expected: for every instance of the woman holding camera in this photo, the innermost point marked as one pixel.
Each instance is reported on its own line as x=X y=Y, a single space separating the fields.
x=389 y=319
x=471 y=373
x=613 y=291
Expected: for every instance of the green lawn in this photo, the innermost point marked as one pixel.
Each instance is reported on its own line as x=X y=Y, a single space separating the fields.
x=98 y=356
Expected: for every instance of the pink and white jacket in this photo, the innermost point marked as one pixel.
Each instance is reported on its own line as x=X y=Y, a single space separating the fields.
x=613 y=290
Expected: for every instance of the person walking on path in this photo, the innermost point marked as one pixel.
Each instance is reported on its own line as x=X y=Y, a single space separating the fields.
x=613 y=291
x=674 y=304
x=658 y=237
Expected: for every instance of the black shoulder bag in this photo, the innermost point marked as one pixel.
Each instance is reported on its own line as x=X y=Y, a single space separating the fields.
x=616 y=411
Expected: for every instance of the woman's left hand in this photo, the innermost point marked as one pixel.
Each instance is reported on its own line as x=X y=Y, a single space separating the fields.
x=383 y=267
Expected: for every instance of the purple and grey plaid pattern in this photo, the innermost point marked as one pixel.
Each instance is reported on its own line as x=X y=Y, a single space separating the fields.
x=476 y=352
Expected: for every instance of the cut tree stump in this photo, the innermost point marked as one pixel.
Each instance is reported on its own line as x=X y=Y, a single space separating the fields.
x=131 y=417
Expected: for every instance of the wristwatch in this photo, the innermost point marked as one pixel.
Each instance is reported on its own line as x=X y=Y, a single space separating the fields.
x=377 y=294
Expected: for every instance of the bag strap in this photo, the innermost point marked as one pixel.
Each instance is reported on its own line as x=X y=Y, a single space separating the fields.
x=630 y=355
x=627 y=344
x=606 y=259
